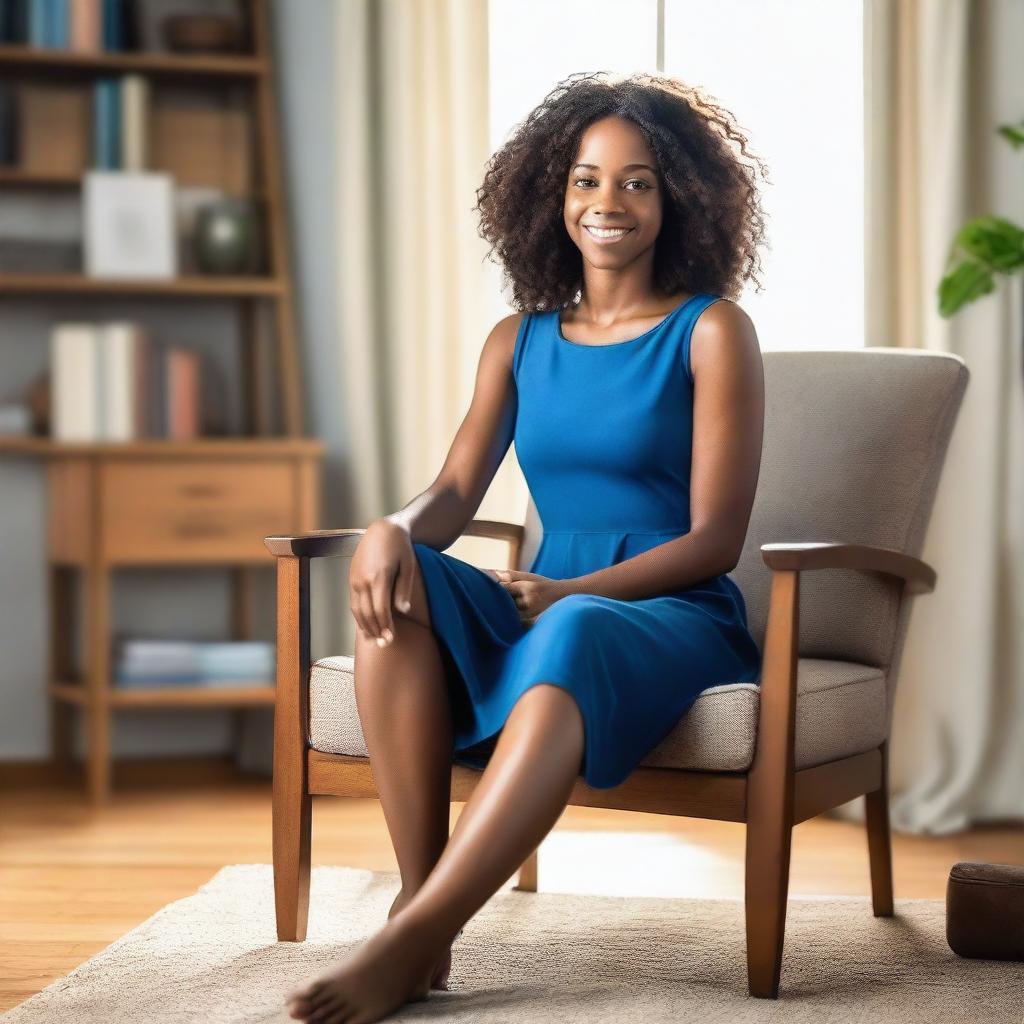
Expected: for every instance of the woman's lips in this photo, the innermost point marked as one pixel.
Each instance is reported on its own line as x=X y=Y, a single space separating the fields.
x=609 y=240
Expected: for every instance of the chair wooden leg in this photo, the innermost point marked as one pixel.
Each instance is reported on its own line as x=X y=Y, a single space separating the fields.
x=767 y=892
x=292 y=805
x=527 y=879
x=292 y=819
x=876 y=817
x=770 y=785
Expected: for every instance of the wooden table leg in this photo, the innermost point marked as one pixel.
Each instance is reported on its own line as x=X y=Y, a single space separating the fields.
x=62 y=714
x=97 y=618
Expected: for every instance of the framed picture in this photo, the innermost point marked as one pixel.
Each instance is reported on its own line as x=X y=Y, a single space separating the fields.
x=129 y=224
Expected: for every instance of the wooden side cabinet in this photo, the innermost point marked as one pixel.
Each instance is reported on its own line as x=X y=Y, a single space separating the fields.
x=159 y=503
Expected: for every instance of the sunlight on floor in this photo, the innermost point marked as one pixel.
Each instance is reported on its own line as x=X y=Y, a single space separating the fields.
x=634 y=864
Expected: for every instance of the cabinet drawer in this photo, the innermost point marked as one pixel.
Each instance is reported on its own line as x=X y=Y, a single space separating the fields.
x=202 y=511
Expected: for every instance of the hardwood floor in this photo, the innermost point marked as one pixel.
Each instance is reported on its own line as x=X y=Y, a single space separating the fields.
x=72 y=880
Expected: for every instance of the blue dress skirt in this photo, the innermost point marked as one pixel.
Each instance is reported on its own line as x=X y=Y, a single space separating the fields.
x=603 y=435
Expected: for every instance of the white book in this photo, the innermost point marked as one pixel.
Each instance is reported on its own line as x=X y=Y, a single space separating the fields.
x=73 y=375
x=118 y=346
x=134 y=123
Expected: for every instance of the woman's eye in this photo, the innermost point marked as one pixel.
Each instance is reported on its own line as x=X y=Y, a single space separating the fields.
x=632 y=181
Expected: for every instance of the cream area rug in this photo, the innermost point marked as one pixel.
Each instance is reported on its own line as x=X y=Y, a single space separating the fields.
x=213 y=957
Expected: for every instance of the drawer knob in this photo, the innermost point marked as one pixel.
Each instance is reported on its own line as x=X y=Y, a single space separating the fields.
x=199 y=530
x=201 y=490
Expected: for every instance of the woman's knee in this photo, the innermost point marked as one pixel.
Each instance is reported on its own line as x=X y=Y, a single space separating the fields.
x=551 y=698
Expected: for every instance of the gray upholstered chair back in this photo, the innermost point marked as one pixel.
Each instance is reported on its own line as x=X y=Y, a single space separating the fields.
x=854 y=442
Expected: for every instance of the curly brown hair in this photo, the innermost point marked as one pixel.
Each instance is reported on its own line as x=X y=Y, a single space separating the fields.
x=712 y=221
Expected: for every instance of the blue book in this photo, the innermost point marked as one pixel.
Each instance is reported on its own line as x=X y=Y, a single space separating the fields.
x=108 y=116
x=37 y=22
x=60 y=33
x=113 y=25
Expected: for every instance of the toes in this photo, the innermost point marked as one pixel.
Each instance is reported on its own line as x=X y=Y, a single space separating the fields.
x=303 y=1001
x=330 y=1012
x=323 y=995
x=300 y=1009
x=329 y=1006
x=305 y=992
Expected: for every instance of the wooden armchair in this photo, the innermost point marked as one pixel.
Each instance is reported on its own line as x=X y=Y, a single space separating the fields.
x=854 y=445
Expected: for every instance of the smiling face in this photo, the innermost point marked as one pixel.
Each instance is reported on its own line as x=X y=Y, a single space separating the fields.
x=613 y=184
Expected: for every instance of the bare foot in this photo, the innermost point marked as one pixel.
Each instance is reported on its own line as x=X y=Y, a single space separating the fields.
x=391 y=968
x=439 y=979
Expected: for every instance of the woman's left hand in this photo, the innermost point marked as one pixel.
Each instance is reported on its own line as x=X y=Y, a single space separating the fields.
x=532 y=593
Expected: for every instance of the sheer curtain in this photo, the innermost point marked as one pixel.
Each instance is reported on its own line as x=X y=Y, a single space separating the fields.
x=413 y=286
x=394 y=271
x=940 y=76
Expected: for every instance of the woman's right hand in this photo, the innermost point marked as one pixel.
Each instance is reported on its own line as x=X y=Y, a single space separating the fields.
x=382 y=567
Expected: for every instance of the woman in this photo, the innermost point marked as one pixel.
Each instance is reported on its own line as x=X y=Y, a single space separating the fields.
x=624 y=214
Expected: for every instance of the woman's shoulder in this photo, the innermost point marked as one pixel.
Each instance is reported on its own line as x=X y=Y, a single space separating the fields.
x=500 y=345
x=722 y=325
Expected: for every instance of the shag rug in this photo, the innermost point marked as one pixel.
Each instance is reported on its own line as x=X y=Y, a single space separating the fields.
x=213 y=958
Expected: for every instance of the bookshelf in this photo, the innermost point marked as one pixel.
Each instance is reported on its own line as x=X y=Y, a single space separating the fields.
x=207 y=501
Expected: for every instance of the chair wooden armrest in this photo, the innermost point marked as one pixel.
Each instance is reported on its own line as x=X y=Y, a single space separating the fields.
x=918 y=576
x=343 y=543
x=315 y=544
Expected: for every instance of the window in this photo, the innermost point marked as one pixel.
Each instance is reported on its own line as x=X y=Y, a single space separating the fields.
x=791 y=73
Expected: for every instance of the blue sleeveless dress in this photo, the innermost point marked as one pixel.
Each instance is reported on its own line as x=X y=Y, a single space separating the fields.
x=603 y=436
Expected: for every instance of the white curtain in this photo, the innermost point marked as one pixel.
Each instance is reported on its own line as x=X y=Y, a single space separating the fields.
x=940 y=76
x=413 y=292
x=414 y=288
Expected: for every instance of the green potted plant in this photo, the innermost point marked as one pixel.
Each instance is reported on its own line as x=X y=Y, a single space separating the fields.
x=983 y=247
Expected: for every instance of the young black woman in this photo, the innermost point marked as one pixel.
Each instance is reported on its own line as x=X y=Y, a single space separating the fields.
x=625 y=215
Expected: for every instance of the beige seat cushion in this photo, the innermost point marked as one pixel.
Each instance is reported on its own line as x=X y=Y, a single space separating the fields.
x=840 y=711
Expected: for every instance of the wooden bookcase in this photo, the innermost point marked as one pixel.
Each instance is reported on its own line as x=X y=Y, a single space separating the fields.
x=158 y=502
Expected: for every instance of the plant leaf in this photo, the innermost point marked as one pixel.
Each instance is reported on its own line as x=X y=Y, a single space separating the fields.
x=965 y=283
x=994 y=241
x=1013 y=133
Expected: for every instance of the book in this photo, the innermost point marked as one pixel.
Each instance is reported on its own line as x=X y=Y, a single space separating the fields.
x=74 y=359
x=14 y=21
x=38 y=22
x=182 y=393
x=84 y=35
x=107 y=123
x=121 y=379
x=113 y=382
x=152 y=663
x=8 y=124
x=114 y=24
x=134 y=121
x=58 y=24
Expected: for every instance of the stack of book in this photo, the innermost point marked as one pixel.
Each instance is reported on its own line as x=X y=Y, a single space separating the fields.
x=44 y=126
x=89 y=26
x=161 y=663
x=112 y=382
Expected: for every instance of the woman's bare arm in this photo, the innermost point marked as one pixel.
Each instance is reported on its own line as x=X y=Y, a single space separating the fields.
x=439 y=515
